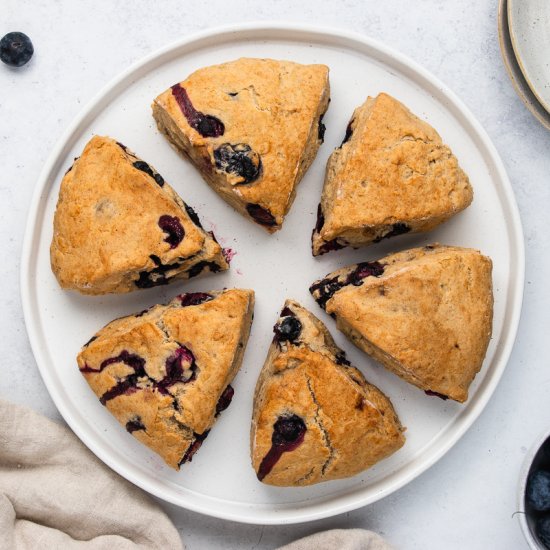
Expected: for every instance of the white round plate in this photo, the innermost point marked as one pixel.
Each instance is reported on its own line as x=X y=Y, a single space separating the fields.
x=220 y=481
x=529 y=22
x=514 y=70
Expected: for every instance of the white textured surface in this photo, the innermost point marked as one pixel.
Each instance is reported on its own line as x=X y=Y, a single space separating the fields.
x=468 y=498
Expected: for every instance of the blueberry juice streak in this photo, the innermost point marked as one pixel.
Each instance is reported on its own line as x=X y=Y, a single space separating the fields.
x=173 y=228
x=205 y=125
x=128 y=384
x=288 y=434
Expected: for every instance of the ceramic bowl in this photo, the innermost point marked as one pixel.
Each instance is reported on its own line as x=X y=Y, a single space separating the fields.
x=526 y=517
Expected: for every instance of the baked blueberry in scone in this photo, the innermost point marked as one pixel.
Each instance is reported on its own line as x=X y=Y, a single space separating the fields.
x=315 y=417
x=391 y=175
x=425 y=314
x=120 y=227
x=252 y=127
x=165 y=373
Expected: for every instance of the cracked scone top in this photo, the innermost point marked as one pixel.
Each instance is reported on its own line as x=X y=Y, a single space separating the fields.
x=391 y=175
x=315 y=417
x=252 y=127
x=425 y=313
x=165 y=373
x=119 y=226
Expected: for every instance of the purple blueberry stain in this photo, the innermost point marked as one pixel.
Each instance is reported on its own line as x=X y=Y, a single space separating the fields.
x=261 y=215
x=134 y=425
x=436 y=394
x=180 y=368
x=349 y=132
x=321 y=129
x=194 y=447
x=205 y=125
x=228 y=254
x=173 y=228
x=288 y=433
x=329 y=246
x=325 y=289
x=199 y=267
x=193 y=215
x=364 y=270
x=396 y=229
x=225 y=399
x=194 y=298
x=240 y=160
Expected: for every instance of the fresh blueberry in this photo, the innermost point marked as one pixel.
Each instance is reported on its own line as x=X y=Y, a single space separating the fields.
x=287 y=330
x=543 y=530
x=205 y=125
x=261 y=215
x=537 y=492
x=172 y=226
x=16 y=49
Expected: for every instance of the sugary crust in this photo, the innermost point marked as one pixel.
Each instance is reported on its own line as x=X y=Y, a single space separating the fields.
x=106 y=225
x=427 y=318
x=351 y=424
x=393 y=171
x=173 y=415
x=273 y=106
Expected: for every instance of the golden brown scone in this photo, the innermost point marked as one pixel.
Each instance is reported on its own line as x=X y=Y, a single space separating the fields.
x=119 y=226
x=165 y=373
x=252 y=128
x=426 y=314
x=391 y=175
x=315 y=417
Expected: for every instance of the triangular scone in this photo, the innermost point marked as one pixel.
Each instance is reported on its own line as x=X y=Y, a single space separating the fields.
x=119 y=226
x=165 y=373
x=391 y=175
x=315 y=417
x=252 y=127
x=426 y=314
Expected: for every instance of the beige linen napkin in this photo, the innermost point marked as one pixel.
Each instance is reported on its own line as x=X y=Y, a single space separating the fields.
x=340 y=539
x=55 y=494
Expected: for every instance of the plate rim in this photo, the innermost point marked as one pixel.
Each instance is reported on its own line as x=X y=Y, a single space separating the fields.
x=511 y=64
x=523 y=66
x=262 y=514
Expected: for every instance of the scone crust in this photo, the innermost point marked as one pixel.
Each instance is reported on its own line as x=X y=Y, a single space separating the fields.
x=272 y=106
x=174 y=415
x=428 y=317
x=393 y=175
x=351 y=424
x=106 y=225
